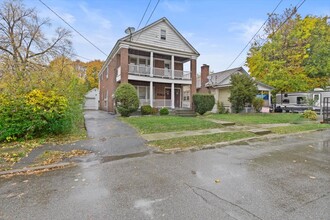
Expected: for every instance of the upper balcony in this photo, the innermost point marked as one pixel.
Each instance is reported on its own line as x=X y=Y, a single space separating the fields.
x=144 y=65
x=143 y=70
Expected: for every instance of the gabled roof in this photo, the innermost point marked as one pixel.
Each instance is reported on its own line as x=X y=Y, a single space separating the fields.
x=128 y=37
x=164 y=19
x=223 y=76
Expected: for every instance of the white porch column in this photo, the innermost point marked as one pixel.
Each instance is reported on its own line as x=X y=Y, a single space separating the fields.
x=269 y=98
x=172 y=96
x=172 y=66
x=151 y=94
x=151 y=64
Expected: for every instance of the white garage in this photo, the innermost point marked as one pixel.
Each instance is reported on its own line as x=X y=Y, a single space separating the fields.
x=92 y=100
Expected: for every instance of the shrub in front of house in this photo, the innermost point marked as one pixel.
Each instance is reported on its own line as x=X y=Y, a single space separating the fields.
x=154 y=111
x=127 y=99
x=242 y=92
x=309 y=114
x=33 y=115
x=146 y=110
x=221 y=108
x=257 y=104
x=164 y=111
x=203 y=102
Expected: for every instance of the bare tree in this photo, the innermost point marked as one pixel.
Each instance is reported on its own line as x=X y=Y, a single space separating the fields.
x=22 y=42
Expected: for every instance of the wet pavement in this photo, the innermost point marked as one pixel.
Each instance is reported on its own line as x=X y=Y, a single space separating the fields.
x=107 y=137
x=285 y=178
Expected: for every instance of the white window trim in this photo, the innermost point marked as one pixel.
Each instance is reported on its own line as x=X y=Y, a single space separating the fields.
x=161 y=35
x=107 y=72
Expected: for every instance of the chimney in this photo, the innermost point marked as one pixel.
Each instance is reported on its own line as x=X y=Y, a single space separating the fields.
x=204 y=74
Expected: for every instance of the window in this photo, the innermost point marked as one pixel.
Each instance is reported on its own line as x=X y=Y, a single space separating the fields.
x=163 y=34
x=107 y=75
x=143 y=92
x=300 y=100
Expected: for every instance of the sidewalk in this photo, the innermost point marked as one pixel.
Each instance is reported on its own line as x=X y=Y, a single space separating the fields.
x=259 y=129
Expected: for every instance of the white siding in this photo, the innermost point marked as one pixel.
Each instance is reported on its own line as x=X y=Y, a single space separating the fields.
x=151 y=37
x=226 y=81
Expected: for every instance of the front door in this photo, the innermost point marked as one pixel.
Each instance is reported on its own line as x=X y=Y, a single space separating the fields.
x=177 y=96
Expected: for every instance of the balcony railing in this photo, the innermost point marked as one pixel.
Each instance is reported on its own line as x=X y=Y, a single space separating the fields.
x=143 y=70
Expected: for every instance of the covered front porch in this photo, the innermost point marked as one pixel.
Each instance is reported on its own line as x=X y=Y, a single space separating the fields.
x=158 y=95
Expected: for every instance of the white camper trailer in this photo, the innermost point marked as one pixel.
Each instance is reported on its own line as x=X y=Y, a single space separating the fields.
x=301 y=101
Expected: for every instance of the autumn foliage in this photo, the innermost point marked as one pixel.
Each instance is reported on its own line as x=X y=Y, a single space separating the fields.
x=295 y=54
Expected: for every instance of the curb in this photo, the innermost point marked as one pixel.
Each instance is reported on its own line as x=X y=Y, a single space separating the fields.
x=226 y=143
x=38 y=168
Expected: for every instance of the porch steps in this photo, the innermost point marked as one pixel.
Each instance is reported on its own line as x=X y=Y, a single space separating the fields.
x=185 y=112
x=259 y=131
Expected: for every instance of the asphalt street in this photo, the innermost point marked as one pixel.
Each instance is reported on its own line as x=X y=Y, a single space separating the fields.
x=285 y=178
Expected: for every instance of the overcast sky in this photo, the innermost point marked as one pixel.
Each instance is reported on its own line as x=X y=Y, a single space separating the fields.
x=218 y=29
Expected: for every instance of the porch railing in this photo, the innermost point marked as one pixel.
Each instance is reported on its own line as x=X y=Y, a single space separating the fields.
x=163 y=73
x=143 y=70
x=157 y=102
x=139 y=70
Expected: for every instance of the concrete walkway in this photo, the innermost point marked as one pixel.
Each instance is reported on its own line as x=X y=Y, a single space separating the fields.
x=168 y=135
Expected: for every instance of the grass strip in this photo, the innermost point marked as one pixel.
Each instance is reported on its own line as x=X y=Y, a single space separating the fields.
x=51 y=156
x=260 y=118
x=199 y=140
x=299 y=128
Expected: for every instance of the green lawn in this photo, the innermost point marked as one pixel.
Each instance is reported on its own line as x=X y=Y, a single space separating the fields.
x=158 y=124
x=299 y=128
x=266 y=118
x=200 y=140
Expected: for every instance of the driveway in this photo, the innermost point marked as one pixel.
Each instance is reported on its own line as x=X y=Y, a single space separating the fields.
x=108 y=139
x=111 y=137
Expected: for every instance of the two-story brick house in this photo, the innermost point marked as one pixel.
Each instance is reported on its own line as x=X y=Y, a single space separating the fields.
x=153 y=59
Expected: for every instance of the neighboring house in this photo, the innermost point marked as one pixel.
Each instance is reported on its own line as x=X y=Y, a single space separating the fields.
x=92 y=100
x=152 y=60
x=219 y=85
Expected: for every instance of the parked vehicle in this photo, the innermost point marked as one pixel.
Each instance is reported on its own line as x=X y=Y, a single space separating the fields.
x=301 y=101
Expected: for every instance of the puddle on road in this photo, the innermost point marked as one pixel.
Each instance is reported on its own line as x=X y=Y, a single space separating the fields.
x=120 y=157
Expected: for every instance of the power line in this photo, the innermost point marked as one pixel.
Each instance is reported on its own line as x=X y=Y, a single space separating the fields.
x=148 y=19
x=76 y=55
x=254 y=35
x=152 y=12
x=73 y=28
x=145 y=11
x=293 y=13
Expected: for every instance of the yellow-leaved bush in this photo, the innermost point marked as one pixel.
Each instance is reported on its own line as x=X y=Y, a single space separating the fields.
x=31 y=115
